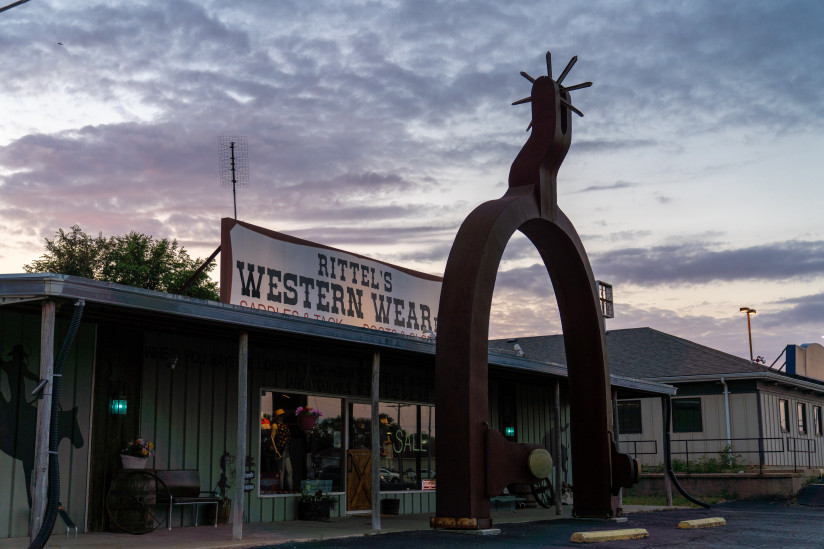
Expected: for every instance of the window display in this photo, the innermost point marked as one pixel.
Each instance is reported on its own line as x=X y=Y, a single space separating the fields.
x=300 y=440
x=302 y=437
x=408 y=457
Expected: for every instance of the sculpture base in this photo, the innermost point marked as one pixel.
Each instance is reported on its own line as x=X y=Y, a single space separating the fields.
x=449 y=523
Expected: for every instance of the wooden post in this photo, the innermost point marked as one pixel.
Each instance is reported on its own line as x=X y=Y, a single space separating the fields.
x=376 y=442
x=240 y=451
x=667 y=481
x=40 y=473
x=616 y=429
x=556 y=449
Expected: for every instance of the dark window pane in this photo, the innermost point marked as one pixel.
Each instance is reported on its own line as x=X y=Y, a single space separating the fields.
x=802 y=418
x=686 y=415
x=629 y=416
x=784 y=415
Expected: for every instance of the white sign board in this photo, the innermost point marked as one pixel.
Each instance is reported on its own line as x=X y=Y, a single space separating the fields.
x=274 y=272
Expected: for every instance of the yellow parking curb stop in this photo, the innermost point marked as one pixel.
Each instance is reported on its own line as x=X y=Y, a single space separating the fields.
x=702 y=523
x=609 y=535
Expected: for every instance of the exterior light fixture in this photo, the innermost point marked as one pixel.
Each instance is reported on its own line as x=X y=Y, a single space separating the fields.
x=749 y=312
x=118 y=405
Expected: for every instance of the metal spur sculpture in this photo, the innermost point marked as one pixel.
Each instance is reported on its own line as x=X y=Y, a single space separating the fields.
x=473 y=460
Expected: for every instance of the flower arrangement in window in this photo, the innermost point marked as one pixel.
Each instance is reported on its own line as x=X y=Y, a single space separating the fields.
x=138 y=448
x=307 y=416
x=317 y=496
x=307 y=411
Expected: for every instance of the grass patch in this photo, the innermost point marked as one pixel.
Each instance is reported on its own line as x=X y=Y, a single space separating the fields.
x=726 y=461
x=678 y=500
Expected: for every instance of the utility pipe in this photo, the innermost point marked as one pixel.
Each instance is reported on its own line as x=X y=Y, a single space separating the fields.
x=668 y=456
x=727 y=410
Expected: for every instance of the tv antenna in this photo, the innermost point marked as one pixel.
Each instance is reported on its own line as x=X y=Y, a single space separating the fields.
x=234 y=163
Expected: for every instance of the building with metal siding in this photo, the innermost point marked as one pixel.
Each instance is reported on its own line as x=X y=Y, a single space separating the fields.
x=770 y=417
x=176 y=361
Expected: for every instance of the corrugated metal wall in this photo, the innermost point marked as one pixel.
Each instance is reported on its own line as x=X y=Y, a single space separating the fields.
x=189 y=412
x=20 y=356
x=535 y=411
x=744 y=415
x=772 y=429
x=647 y=446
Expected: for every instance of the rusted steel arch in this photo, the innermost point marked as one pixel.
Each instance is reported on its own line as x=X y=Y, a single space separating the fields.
x=529 y=205
x=463 y=334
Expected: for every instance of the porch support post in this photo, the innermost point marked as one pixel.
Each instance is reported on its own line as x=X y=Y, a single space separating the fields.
x=616 y=430
x=376 y=442
x=556 y=449
x=40 y=473
x=667 y=481
x=240 y=450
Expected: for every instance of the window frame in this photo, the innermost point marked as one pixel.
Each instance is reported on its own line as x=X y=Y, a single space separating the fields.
x=818 y=428
x=801 y=419
x=634 y=425
x=682 y=409
x=784 y=415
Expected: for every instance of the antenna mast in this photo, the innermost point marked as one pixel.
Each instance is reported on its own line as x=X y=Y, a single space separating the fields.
x=234 y=164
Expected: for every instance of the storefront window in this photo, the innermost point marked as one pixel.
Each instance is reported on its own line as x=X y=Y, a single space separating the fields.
x=300 y=439
x=303 y=438
x=408 y=455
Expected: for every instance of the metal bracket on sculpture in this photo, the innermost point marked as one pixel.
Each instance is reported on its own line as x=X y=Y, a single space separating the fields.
x=513 y=462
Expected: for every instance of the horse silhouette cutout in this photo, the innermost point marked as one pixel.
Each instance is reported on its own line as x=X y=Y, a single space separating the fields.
x=18 y=417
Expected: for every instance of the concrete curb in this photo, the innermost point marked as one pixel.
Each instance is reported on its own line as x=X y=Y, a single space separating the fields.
x=609 y=535
x=702 y=523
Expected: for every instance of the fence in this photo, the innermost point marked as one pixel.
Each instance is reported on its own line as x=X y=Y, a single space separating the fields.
x=730 y=446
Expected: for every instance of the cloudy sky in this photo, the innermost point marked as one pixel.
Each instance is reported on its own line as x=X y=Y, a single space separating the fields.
x=694 y=178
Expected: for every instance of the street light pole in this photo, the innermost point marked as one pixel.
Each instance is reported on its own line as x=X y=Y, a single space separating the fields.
x=749 y=311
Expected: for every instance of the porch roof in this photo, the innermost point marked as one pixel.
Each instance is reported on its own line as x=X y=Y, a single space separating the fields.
x=107 y=299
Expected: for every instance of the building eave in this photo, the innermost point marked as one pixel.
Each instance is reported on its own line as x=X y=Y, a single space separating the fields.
x=18 y=288
x=768 y=377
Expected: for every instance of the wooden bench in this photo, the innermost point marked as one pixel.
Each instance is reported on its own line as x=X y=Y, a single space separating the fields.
x=509 y=503
x=183 y=488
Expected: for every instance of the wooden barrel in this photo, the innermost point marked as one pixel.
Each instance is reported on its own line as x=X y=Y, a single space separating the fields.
x=132 y=502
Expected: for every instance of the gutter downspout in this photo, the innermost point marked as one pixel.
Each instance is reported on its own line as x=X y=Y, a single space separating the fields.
x=727 y=410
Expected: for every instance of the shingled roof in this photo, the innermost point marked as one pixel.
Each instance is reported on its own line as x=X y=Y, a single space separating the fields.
x=641 y=353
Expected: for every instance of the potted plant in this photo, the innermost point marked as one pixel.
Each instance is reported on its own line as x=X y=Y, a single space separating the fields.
x=224 y=507
x=307 y=417
x=315 y=505
x=136 y=453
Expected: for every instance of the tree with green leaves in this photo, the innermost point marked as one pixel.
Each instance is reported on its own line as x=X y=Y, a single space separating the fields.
x=133 y=259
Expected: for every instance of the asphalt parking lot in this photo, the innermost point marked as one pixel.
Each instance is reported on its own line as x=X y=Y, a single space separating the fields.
x=750 y=524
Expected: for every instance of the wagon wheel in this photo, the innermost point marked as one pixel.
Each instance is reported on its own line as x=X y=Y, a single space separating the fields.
x=132 y=502
x=543 y=492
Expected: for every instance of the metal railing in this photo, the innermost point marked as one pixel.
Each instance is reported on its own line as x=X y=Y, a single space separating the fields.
x=765 y=445
x=625 y=445
x=693 y=448
x=809 y=450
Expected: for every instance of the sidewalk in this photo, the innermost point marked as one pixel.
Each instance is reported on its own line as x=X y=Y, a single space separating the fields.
x=276 y=532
